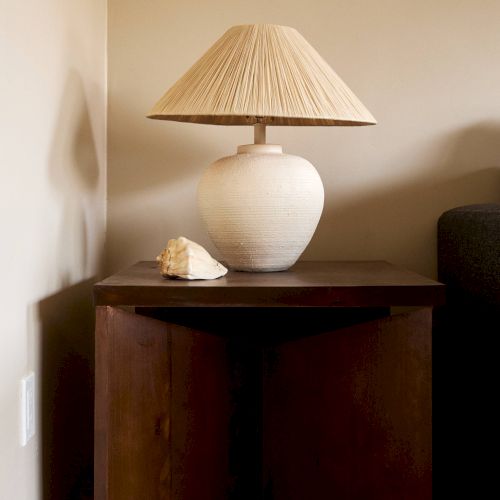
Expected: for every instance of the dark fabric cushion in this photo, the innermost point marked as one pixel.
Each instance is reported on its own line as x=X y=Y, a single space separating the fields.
x=469 y=256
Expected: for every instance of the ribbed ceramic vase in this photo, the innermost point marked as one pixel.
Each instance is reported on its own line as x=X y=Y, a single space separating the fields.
x=261 y=207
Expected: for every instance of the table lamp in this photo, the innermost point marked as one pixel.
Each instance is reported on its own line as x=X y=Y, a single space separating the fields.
x=260 y=206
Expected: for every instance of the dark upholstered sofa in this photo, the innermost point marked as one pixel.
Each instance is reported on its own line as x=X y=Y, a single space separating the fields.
x=466 y=359
x=469 y=265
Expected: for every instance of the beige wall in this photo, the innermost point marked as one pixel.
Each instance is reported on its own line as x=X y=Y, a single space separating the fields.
x=52 y=219
x=427 y=70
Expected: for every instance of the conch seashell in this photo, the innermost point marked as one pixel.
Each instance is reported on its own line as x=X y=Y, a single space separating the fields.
x=183 y=258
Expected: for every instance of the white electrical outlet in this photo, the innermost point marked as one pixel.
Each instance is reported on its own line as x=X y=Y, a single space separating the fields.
x=27 y=408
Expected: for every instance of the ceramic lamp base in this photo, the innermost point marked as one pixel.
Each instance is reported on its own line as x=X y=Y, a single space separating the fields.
x=261 y=207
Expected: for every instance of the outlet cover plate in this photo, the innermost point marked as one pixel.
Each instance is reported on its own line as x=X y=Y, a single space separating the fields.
x=27 y=408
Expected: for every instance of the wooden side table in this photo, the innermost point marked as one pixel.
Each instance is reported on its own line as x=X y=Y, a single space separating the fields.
x=294 y=385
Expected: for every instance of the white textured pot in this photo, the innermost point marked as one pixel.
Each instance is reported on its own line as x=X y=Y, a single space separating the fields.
x=261 y=207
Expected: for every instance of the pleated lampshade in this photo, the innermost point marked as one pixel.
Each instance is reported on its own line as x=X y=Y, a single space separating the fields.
x=262 y=73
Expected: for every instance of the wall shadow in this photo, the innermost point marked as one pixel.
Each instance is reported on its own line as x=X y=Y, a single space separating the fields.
x=74 y=173
x=66 y=338
x=73 y=157
x=65 y=319
x=398 y=222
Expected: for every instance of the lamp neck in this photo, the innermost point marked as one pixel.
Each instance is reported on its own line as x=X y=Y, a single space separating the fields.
x=259 y=133
x=260 y=149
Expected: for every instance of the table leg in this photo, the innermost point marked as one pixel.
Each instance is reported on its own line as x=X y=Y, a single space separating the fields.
x=161 y=410
x=347 y=414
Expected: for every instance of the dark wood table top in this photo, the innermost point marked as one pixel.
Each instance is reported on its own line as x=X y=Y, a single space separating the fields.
x=306 y=284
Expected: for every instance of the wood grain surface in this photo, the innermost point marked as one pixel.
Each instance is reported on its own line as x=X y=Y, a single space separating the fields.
x=307 y=284
x=162 y=410
x=347 y=414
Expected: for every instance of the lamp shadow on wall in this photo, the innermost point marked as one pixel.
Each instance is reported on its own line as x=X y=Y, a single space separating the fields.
x=66 y=319
x=74 y=174
x=399 y=222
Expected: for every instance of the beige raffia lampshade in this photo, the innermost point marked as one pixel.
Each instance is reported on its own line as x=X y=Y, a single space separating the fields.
x=262 y=73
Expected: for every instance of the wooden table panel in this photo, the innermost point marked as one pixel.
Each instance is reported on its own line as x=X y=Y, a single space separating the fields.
x=132 y=405
x=347 y=414
x=307 y=284
x=162 y=410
